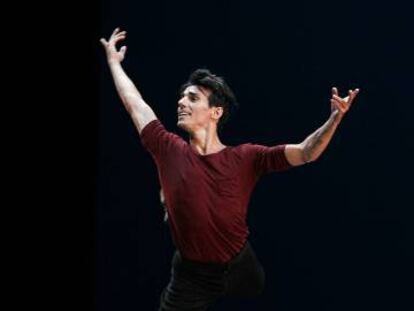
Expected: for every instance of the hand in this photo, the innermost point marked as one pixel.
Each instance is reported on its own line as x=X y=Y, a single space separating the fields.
x=339 y=105
x=110 y=46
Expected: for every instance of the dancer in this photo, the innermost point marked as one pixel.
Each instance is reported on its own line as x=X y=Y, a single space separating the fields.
x=206 y=185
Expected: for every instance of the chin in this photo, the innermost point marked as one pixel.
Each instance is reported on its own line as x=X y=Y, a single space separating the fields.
x=182 y=125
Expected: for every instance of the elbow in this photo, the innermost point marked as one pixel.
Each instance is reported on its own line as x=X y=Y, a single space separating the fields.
x=312 y=159
x=308 y=159
x=308 y=155
x=128 y=107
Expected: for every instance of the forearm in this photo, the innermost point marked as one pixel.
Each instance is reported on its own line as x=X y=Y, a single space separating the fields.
x=316 y=143
x=126 y=89
x=140 y=112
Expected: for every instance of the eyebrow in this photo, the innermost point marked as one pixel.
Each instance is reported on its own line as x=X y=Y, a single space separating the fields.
x=190 y=93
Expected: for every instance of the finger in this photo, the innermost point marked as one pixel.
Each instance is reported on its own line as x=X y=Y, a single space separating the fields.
x=340 y=99
x=338 y=108
x=352 y=95
x=117 y=39
x=346 y=101
x=103 y=41
x=119 y=36
x=334 y=91
x=340 y=105
x=355 y=93
x=123 y=50
x=115 y=31
x=121 y=33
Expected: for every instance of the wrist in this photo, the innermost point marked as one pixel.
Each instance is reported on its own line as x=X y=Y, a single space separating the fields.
x=113 y=62
x=336 y=116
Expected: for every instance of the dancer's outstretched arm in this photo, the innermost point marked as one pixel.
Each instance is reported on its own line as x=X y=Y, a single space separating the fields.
x=313 y=146
x=140 y=112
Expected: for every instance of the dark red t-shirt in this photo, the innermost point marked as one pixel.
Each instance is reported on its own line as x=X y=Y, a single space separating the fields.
x=207 y=195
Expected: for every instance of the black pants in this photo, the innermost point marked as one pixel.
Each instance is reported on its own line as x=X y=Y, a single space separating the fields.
x=196 y=286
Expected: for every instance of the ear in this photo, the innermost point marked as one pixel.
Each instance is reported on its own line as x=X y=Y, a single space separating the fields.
x=217 y=112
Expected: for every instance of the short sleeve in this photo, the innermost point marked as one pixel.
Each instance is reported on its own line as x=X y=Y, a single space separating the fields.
x=269 y=159
x=157 y=140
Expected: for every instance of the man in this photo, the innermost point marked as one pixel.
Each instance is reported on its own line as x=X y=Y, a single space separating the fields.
x=206 y=185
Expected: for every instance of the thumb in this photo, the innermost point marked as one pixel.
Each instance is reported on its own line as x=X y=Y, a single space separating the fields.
x=103 y=41
x=123 y=50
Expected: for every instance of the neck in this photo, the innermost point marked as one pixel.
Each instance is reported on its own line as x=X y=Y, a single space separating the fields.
x=206 y=141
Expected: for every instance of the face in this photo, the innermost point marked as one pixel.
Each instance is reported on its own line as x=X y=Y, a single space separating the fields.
x=194 y=111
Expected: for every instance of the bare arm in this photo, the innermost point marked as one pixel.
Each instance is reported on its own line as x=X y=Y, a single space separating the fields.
x=314 y=145
x=140 y=112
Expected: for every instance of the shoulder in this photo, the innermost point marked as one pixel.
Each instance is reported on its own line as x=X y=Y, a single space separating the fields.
x=249 y=148
x=246 y=150
x=155 y=136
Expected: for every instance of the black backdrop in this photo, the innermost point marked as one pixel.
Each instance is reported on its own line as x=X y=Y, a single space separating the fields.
x=332 y=235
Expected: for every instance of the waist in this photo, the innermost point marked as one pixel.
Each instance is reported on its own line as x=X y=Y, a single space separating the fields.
x=212 y=266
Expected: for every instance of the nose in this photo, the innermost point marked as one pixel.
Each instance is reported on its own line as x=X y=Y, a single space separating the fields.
x=181 y=103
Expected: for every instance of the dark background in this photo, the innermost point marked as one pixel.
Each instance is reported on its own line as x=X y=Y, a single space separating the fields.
x=333 y=235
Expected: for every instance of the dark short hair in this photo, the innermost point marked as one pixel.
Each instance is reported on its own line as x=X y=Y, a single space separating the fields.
x=221 y=94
